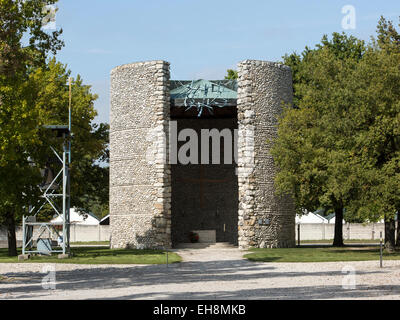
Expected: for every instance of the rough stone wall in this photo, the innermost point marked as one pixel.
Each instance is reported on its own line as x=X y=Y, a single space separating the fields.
x=205 y=205
x=140 y=184
x=265 y=220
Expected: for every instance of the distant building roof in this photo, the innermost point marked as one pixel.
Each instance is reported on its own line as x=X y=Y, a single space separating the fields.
x=330 y=216
x=310 y=217
x=79 y=218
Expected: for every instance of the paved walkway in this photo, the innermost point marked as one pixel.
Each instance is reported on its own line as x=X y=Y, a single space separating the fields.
x=205 y=274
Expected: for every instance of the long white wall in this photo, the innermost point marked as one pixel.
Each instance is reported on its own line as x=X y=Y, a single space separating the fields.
x=308 y=231
x=89 y=233
x=351 y=231
x=79 y=233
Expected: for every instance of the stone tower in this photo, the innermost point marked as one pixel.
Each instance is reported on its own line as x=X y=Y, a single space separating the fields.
x=264 y=219
x=140 y=176
x=140 y=188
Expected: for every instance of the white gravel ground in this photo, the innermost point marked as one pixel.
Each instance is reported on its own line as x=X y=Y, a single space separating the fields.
x=205 y=274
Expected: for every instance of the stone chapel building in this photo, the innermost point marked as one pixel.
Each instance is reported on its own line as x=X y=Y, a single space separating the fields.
x=156 y=202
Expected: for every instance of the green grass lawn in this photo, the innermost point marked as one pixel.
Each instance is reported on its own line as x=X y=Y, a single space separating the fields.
x=367 y=241
x=319 y=254
x=91 y=243
x=101 y=255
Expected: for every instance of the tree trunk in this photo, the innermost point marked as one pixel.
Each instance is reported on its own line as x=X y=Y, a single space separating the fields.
x=389 y=234
x=398 y=231
x=11 y=237
x=338 y=239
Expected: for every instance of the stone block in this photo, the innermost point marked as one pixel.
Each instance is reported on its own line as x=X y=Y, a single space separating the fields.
x=23 y=257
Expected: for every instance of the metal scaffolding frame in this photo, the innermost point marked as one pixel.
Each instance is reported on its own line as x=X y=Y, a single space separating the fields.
x=49 y=196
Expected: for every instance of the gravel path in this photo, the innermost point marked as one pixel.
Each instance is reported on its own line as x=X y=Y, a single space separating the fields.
x=205 y=274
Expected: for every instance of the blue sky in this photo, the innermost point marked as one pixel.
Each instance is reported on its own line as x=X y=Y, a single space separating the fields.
x=200 y=38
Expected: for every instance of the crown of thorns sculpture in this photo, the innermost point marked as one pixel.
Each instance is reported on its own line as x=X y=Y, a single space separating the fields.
x=201 y=104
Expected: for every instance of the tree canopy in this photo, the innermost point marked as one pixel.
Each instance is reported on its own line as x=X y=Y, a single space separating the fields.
x=231 y=75
x=33 y=93
x=338 y=148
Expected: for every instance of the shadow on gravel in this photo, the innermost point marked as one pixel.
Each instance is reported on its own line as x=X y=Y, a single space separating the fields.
x=285 y=293
x=24 y=284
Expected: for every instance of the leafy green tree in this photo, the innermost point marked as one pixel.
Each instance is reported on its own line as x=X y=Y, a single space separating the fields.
x=339 y=148
x=389 y=42
x=33 y=93
x=231 y=75
x=23 y=42
x=342 y=46
x=49 y=94
x=16 y=191
x=90 y=156
x=313 y=142
x=376 y=111
x=23 y=47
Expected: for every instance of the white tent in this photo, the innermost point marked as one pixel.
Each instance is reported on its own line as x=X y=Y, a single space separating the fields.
x=79 y=218
x=310 y=217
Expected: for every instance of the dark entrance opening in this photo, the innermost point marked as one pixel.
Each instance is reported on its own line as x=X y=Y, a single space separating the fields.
x=205 y=196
